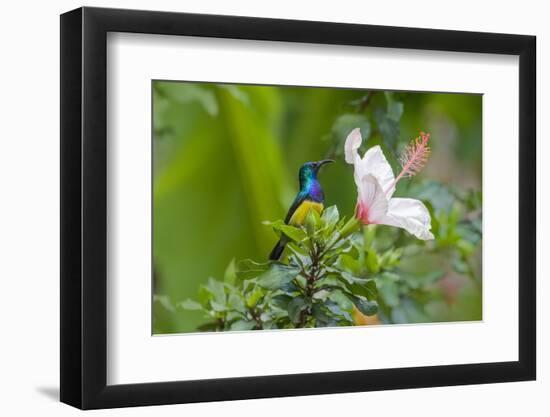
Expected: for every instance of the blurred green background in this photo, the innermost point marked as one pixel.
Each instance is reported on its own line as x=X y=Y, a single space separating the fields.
x=226 y=158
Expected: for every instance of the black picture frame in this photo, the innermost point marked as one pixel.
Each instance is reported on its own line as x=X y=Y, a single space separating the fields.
x=84 y=207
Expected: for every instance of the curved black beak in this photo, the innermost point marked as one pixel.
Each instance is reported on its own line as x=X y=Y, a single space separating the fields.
x=323 y=162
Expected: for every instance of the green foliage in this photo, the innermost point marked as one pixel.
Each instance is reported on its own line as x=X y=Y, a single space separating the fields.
x=310 y=289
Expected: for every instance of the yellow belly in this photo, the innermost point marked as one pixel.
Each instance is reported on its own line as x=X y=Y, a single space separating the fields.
x=301 y=212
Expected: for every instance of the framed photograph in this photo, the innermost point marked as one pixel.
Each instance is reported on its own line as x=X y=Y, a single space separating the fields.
x=258 y=208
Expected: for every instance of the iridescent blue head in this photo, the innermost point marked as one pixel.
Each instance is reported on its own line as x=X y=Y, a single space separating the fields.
x=308 y=172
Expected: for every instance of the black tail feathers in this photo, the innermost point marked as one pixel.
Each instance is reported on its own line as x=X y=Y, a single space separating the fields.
x=277 y=250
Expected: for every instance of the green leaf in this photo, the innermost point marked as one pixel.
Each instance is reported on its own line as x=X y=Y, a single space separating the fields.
x=295 y=308
x=277 y=276
x=190 y=305
x=321 y=295
x=164 y=301
x=330 y=281
x=390 y=258
x=320 y=315
x=242 y=325
x=230 y=272
x=330 y=216
x=247 y=269
x=332 y=256
x=274 y=223
x=367 y=289
x=351 y=226
x=299 y=255
x=235 y=302
x=368 y=308
x=217 y=290
x=357 y=286
x=254 y=296
x=233 y=315
x=345 y=276
x=369 y=233
x=372 y=262
x=281 y=301
x=313 y=220
x=217 y=306
x=205 y=295
x=349 y=263
x=341 y=299
x=295 y=233
x=291 y=288
x=338 y=312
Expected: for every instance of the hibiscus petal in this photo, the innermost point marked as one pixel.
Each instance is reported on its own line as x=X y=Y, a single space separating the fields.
x=411 y=215
x=372 y=202
x=353 y=141
x=374 y=162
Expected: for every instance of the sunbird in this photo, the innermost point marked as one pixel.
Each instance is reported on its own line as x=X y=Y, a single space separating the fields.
x=310 y=197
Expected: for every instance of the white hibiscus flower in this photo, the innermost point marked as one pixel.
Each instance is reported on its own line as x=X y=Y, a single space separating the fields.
x=376 y=184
